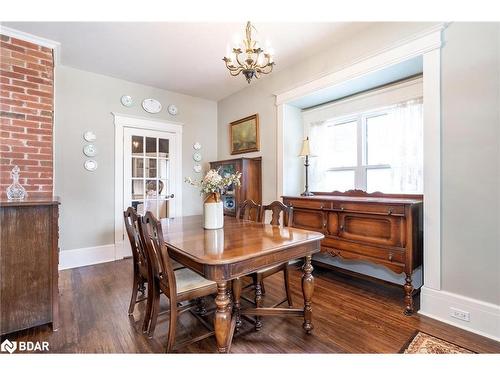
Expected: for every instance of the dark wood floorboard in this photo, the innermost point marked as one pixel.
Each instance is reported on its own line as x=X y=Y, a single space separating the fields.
x=350 y=315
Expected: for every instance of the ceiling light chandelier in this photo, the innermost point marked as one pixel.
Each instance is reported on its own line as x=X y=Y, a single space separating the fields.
x=251 y=60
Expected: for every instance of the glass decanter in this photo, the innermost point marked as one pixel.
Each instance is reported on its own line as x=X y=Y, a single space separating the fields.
x=15 y=191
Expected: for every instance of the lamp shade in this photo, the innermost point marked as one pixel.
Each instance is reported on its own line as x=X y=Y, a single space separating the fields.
x=306 y=151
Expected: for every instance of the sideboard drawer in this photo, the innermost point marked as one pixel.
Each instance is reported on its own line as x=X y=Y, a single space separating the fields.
x=382 y=209
x=311 y=204
x=309 y=219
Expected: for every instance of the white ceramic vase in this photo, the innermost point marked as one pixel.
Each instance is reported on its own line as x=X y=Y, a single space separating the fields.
x=213 y=212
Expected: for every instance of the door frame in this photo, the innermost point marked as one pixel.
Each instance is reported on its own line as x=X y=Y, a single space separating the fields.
x=121 y=122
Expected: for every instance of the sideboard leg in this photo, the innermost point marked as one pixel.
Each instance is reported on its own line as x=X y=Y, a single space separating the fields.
x=222 y=321
x=408 y=287
x=307 y=290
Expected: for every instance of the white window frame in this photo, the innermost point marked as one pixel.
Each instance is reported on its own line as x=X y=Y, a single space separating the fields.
x=361 y=168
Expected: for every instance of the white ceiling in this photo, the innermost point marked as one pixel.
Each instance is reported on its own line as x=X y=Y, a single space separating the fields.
x=181 y=57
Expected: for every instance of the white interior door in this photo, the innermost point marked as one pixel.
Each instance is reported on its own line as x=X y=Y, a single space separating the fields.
x=148 y=181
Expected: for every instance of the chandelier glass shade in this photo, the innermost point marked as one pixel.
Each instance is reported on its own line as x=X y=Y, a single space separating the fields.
x=251 y=60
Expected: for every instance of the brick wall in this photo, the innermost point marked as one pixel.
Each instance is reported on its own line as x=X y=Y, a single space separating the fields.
x=26 y=113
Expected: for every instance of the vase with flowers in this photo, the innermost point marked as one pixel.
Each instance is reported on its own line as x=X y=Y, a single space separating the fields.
x=213 y=185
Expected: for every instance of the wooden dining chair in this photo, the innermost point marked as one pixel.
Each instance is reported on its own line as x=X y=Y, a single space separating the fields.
x=248 y=210
x=178 y=286
x=284 y=214
x=140 y=277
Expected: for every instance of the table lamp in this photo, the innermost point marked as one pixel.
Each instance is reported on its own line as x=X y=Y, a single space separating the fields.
x=306 y=152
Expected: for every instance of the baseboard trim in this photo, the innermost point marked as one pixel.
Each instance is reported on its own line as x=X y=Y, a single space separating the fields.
x=86 y=256
x=484 y=316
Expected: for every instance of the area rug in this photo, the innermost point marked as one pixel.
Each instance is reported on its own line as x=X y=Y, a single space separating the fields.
x=423 y=343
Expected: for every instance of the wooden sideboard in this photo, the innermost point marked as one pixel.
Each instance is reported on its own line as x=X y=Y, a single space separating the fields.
x=29 y=258
x=377 y=228
x=251 y=182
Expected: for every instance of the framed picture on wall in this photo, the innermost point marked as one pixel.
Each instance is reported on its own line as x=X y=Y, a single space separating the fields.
x=244 y=135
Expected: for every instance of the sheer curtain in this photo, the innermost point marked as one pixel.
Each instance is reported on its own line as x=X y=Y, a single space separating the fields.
x=397 y=145
x=320 y=143
x=407 y=151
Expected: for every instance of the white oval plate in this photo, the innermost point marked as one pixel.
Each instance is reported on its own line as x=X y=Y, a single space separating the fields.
x=151 y=105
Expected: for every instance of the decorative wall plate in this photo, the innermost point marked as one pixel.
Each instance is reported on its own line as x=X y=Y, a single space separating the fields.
x=197 y=146
x=172 y=109
x=89 y=136
x=90 y=165
x=197 y=168
x=197 y=156
x=151 y=105
x=127 y=100
x=90 y=150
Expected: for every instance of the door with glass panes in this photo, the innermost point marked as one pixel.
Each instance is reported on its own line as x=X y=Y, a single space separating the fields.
x=148 y=164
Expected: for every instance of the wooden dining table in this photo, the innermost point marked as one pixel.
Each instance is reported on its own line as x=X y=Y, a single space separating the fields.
x=241 y=248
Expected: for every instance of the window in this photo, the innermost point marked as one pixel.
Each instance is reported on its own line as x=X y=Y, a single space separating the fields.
x=373 y=151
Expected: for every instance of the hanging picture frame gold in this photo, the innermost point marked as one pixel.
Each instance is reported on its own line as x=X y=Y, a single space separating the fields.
x=244 y=135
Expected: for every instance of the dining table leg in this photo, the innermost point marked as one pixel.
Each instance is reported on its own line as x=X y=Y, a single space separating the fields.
x=222 y=320
x=307 y=291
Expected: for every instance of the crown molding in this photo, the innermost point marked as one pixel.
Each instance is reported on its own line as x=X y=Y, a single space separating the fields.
x=404 y=49
x=44 y=42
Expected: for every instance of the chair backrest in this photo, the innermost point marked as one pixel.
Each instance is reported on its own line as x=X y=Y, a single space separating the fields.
x=157 y=251
x=278 y=209
x=248 y=210
x=132 y=222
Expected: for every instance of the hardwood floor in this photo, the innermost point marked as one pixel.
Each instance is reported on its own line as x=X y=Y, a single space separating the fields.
x=350 y=315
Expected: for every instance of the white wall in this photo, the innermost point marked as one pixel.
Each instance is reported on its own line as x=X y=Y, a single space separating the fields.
x=245 y=103
x=293 y=165
x=84 y=101
x=471 y=160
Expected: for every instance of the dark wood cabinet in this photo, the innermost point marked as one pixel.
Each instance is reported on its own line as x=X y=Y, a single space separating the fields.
x=251 y=182
x=378 y=228
x=29 y=258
